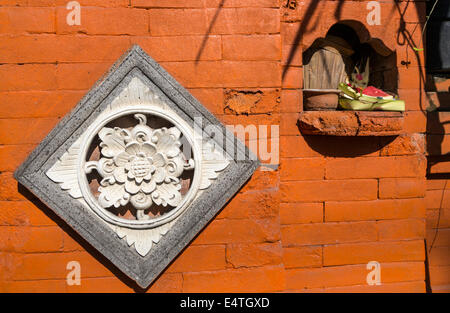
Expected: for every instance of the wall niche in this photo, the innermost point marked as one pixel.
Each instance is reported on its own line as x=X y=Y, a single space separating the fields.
x=346 y=48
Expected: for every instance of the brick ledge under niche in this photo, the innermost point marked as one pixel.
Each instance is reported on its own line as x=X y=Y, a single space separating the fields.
x=351 y=123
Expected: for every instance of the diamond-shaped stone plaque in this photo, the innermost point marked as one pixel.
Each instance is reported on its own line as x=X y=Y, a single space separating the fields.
x=138 y=167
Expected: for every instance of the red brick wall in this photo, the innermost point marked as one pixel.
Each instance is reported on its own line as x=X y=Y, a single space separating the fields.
x=437 y=195
x=333 y=205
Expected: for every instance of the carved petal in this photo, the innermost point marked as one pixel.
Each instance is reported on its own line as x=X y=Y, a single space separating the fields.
x=148 y=187
x=167 y=194
x=213 y=162
x=133 y=148
x=64 y=171
x=148 y=148
x=132 y=187
x=143 y=240
x=122 y=158
x=113 y=195
x=120 y=175
x=113 y=141
x=159 y=175
x=167 y=141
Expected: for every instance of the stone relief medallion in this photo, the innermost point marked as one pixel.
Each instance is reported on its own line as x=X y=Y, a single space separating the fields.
x=130 y=171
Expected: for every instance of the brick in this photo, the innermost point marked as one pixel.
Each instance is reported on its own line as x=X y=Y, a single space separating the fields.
x=332 y=146
x=196 y=75
x=439 y=275
x=402 y=287
x=105 y=21
x=437 y=100
x=438 y=165
x=198 y=259
x=404 y=144
x=397 y=188
x=53 y=266
x=296 y=147
x=93 y=3
x=25 y=131
x=72 y=242
x=27 y=77
x=415 y=122
x=252 y=255
x=253 y=127
x=79 y=76
x=22 y=3
x=253 y=205
x=244 y=21
x=167 y=283
x=9 y=188
x=240 y=231
x=292 y=55
x=262 y=181
x=292 y=77
x=374 y=210
x=168 y=3
x=350 y=123
x=195 y=48
x=437 y=198
x=415 y=99
x=329 y=190
x=53 y=48
x=397 y=166
x=165 y=22
x=202 y=3
x=439 y=217
x=30 y=239
x=35 y=286
x=297 y=257
x=226 y=21
x=38 y=103
x=100 y=285
x=302 y=169
x=328 y=233
x=251 y=48
x=263 y=279
x=401 y=229
x=22 y=213
x=362 y=253
x=251 y=74
x=11 y=156
x=438 y=123
x=14 y=20
x=438 y=256
x=289 y=33
x=442 y=237
x=437 y=184
x=289 y=124
x=352 y=275
x=211 y=98
x=409 y=78
x=251 y=101
x=291 y=101
x=438 y=144
x=301 y=213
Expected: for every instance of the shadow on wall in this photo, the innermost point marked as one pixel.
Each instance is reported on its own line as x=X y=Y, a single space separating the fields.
x=347 y=147
x=83 y=243
x=438 y=96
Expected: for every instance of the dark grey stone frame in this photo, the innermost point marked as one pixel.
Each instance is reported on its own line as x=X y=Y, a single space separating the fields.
x=31 y=174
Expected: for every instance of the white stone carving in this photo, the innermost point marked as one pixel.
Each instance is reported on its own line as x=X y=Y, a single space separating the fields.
x=140 y=166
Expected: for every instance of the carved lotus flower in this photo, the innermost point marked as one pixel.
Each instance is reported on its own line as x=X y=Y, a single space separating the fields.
x=141 y=166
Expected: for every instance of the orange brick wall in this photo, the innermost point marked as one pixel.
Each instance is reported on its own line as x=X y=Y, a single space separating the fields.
x=333 y=205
